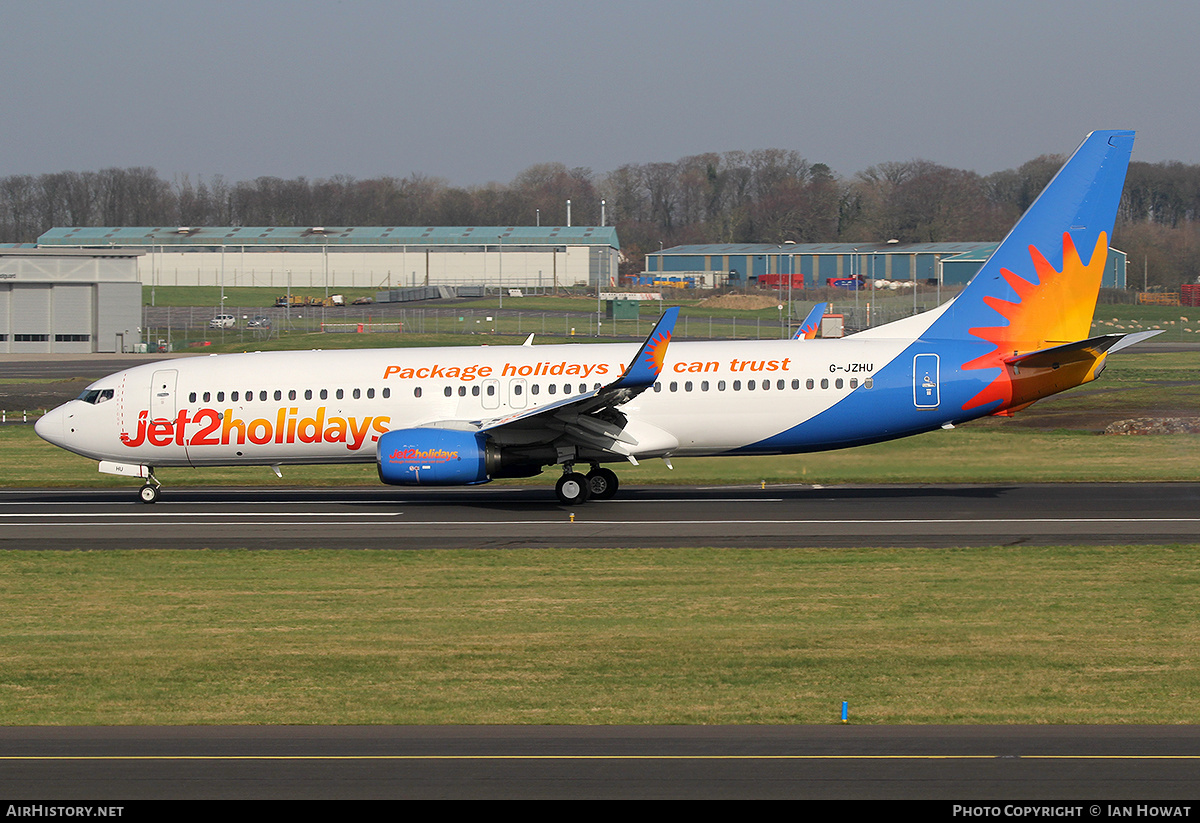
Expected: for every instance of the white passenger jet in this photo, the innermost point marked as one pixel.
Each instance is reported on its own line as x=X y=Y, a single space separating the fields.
x=461 y=416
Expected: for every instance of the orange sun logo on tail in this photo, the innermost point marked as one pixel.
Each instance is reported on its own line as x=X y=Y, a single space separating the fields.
x=1056 y=310
x=656 y=352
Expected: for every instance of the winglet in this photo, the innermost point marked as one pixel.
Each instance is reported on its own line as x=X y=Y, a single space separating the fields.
x=648 y=362
x=808 y=329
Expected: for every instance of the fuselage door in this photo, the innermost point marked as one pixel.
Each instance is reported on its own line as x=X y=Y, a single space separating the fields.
x=516 y=393
x=162 y=395
x=491 y=394
x=925 y=381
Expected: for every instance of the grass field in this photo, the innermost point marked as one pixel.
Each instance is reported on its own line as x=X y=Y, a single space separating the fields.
x=1011 y=634
x=965 y=455
x=1000 y=635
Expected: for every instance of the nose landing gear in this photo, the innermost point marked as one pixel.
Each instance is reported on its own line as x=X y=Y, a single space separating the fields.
x=149 y=492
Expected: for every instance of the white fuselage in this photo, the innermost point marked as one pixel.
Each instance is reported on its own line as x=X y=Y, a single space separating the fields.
x=332 y=406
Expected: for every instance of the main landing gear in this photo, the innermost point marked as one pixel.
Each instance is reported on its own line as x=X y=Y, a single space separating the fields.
x=573 y=487
x=149 y=492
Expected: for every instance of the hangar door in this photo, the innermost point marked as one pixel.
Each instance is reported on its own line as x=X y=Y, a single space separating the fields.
x=30 y=312
x=41 y=318
x=72 y=318
x=5 y=313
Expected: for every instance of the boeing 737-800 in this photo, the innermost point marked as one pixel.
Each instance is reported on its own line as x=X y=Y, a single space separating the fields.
x=461 y=416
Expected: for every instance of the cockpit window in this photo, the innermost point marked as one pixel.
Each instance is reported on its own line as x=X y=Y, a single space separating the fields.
x=96 y=396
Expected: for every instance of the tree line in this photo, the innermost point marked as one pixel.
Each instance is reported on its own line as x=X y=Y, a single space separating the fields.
x=764 y=196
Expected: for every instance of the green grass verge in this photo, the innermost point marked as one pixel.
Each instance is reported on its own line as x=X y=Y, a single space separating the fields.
x=964 y=455
x=984 y=635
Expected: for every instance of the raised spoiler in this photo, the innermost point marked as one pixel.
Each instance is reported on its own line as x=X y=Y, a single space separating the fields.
x=643 y=370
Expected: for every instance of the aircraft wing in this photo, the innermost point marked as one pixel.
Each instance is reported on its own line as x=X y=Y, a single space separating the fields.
x=585 y=419
x=812 y=323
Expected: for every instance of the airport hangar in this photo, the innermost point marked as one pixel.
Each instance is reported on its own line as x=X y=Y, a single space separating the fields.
x=377 y=257
x=68 y=300
x=812 y=265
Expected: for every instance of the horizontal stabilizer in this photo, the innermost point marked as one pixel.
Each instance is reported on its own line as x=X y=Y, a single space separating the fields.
x=1079 y=351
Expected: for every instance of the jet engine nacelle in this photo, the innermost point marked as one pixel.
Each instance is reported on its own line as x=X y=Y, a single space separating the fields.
x=436 y=457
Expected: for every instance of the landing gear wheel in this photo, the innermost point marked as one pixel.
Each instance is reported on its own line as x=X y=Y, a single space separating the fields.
x=572 y=488
x=602 y=483
x=149 y=493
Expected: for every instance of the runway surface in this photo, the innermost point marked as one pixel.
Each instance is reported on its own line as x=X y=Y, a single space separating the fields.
x=957 y=764
x=510 y=517
x=943 y=763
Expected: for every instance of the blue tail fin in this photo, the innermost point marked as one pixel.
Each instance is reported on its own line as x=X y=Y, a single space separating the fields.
x=1039 y=288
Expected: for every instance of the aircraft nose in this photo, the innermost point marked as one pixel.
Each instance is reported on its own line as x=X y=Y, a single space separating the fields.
x=50 y=425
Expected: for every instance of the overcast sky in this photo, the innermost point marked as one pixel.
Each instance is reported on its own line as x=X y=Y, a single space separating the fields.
x=478 y=91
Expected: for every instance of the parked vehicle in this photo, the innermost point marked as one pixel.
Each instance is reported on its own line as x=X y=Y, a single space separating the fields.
x=222 y=321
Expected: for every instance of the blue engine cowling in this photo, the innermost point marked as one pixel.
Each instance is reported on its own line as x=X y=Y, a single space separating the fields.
x=435 y=457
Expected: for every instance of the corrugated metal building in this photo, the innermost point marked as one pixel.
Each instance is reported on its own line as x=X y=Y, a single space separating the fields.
x=378 y=257
x=811 y=265
x=68 y=301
